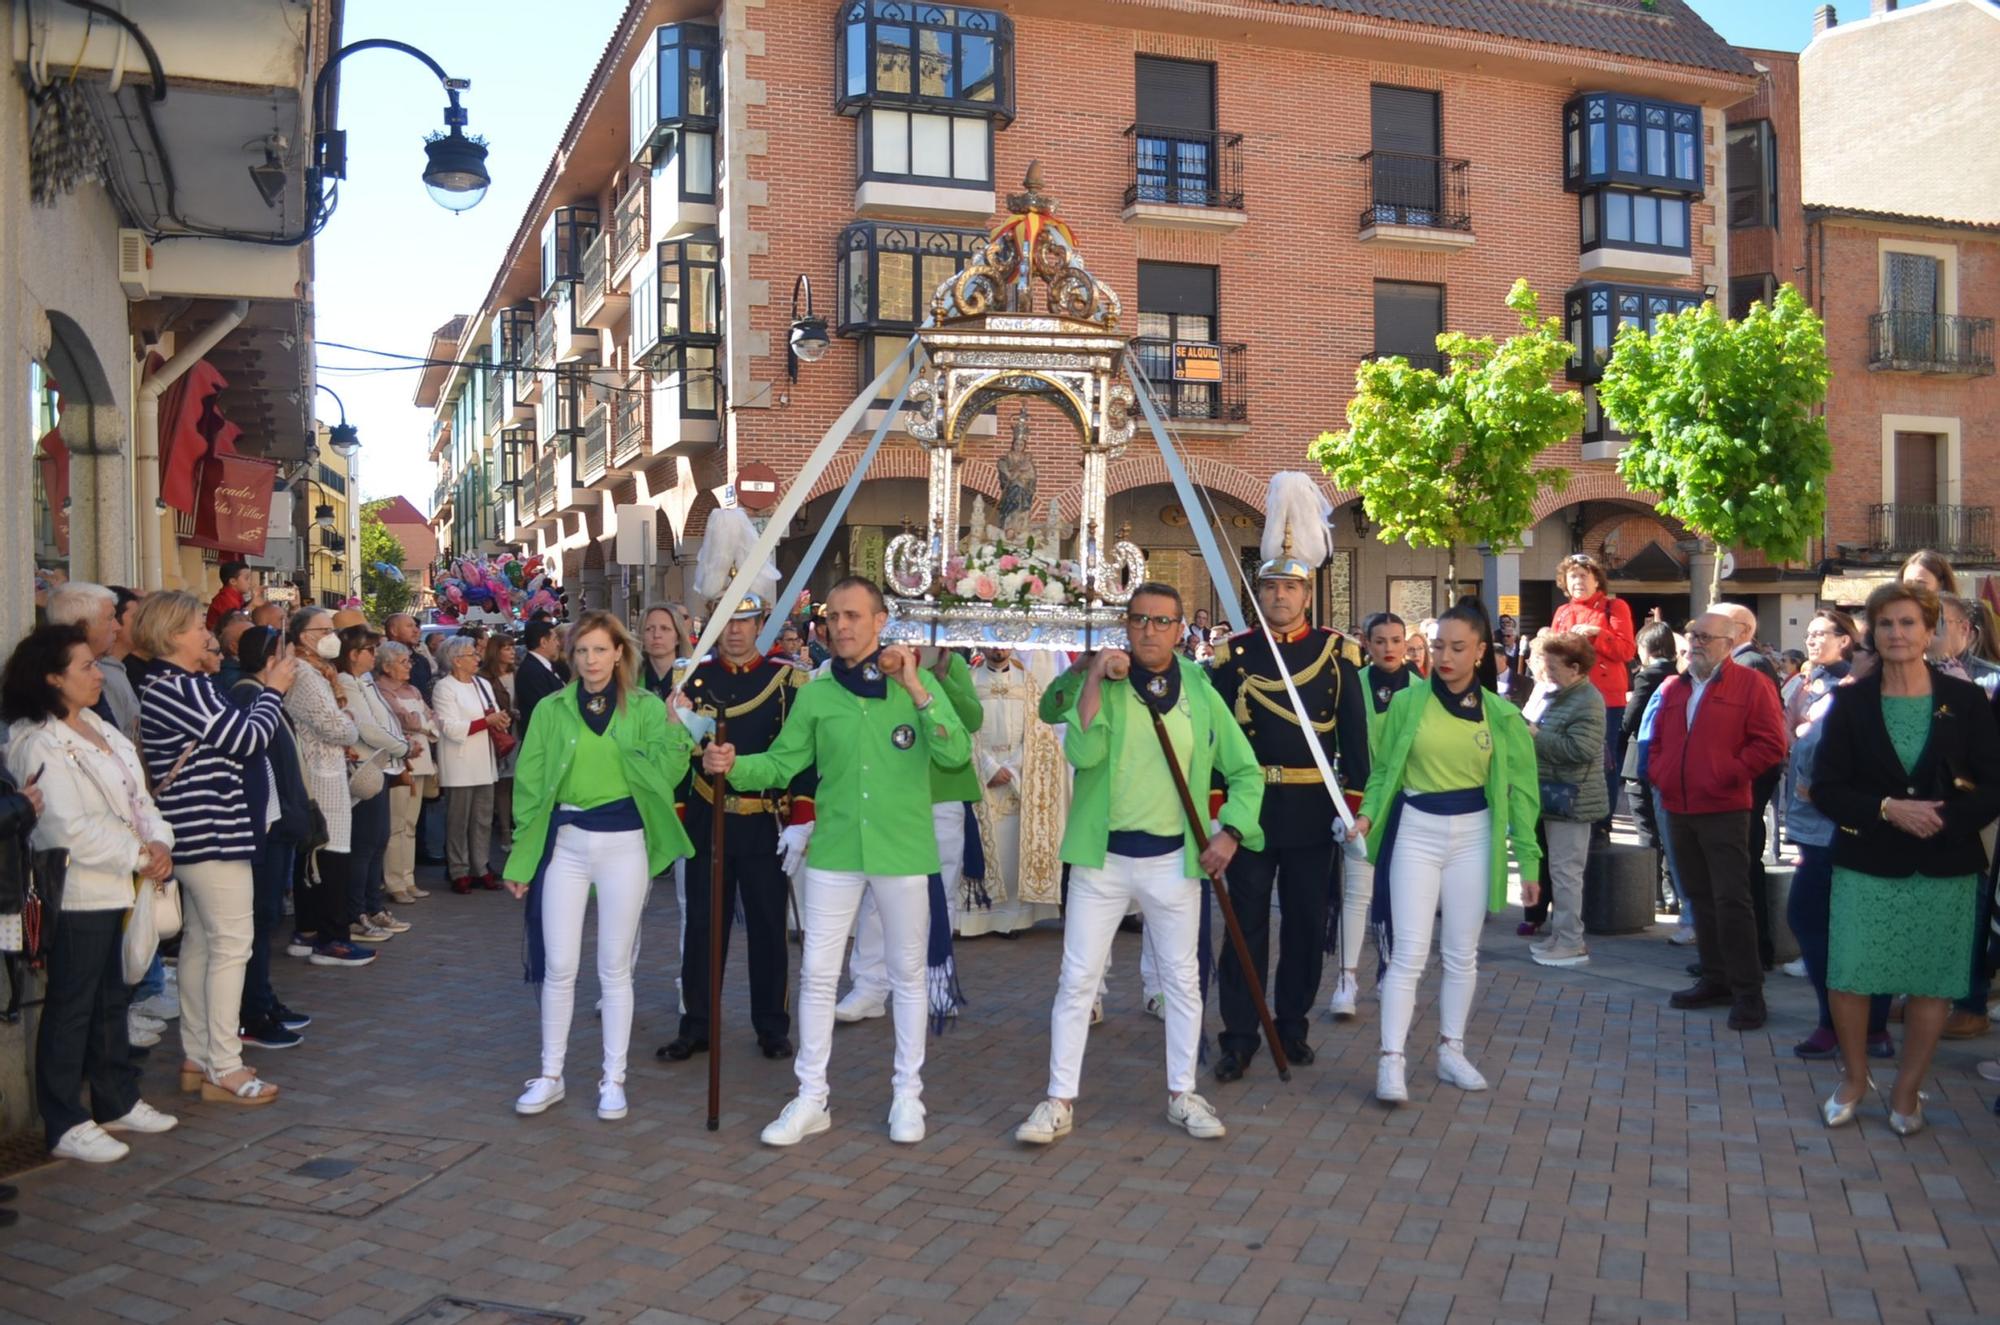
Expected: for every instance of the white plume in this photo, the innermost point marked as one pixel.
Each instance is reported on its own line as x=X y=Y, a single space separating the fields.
x=1295 y=499
x=725 y=548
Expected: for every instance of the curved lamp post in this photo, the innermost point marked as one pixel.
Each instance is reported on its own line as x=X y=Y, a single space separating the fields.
x=808 y=341
x=455 y=165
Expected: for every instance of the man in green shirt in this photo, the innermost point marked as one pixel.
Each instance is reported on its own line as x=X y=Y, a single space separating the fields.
x=1129 y=839
x=874 y=729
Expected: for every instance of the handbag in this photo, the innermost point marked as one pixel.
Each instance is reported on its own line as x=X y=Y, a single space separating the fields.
x=1559 y=798
x=365 y=780
x=156 y=915
x=504 y=743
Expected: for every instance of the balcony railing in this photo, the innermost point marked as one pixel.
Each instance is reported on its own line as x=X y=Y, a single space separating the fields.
x=440 y=496
x=1931 y=343
x=629 y=436
x=1199 y=381
x=545 y=482
x=1430 y=359
x=1185 y=167
x=1956 y=531
x=629 y=231
x=596 y=278
x=1420 y=192
x=596 y=446
x=490 y=407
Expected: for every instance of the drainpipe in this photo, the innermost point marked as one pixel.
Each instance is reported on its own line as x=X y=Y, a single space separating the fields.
x=146 y=445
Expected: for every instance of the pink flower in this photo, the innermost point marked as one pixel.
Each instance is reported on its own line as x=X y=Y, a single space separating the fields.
x=955 y=568
x=1034 y=584
x=1010 y=562
x=985 y=588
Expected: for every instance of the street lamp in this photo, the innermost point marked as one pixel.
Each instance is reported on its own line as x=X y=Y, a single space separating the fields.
x=343 y=437
x=455 y=166
x=808 y=342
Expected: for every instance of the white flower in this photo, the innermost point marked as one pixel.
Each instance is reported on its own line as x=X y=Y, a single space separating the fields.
x=967 y=587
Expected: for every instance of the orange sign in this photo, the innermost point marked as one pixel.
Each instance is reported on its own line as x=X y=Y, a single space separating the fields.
x=1197 y=361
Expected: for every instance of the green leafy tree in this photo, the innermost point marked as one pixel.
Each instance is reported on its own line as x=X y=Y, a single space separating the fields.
x=382 y=594
x=1444 y=459
x=1721 y=417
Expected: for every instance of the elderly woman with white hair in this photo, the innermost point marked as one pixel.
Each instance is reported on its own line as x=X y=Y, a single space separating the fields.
x=468 y=716
x=393 y=678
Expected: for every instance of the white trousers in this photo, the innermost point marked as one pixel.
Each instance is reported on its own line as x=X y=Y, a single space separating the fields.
x=828 y=902
x=869 y=966
x=1170 y=902
x=216 y=931
x=615 y=864
x=1440 y=863
x=1357 y=891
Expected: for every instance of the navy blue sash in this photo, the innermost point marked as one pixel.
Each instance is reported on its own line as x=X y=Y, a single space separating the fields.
x=621 y=816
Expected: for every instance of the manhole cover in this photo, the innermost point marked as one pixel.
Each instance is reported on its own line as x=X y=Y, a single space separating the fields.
x=326 y=1171
x=464 y=1311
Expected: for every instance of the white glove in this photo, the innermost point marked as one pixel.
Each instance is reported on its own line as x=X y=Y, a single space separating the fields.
x=792 y=846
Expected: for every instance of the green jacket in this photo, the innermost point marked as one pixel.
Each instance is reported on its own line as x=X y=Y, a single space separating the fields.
x=873 y=811
x=656 y=749
x=1061 y=693
x=961 y=783
x=1513 y=788
x=1569 y=743
x=1219 y=747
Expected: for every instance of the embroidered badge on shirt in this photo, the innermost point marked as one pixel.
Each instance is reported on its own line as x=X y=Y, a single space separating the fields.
x=1483 y=739
x=1383 y=694
x=1470 y=700
x=597 y=705
x=904 y=736
x=870 y=672
x=1157 y=687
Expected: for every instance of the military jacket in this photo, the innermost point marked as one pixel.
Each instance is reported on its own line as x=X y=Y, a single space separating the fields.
x=1297 y=810
x=754 y=701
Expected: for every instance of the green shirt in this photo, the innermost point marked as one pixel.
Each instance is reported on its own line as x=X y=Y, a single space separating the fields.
x=1107 y=765
x=1448 y=754
x=1147 y=800
x=873 y=810
x=958 y=687
x=594 y=777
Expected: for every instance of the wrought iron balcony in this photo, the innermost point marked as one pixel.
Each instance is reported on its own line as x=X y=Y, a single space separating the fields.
x=629 y=435
x=490 y=406
x=1196 y=381
x=595 y=455
x=1412 y=192
x=595 y=281
x=1901 y=341
x=1956 y=531
x=545 y=482
x=1184 y=168
x=629 y=227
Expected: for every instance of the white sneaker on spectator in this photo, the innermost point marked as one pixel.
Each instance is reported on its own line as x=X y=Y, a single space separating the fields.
x=1192 y=1112
x=90 y=1143
x=143 y=1118
x=1051 y=1120
x=385 y=920
x=1551 y=955
x=1796 y=968
x=160 y=1007
x=367 y=931
x=540 y=1094
x=906 y=1120
x=610 y=1100
x=1682 y=936
x=1346 y=994
x=859 y=1005
x=138 y=1019
x=1455 y=1069
x=802 y=1118
x=139 y=1032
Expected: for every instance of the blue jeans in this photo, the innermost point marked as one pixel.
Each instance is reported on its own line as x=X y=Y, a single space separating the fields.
x=1614 y=757
x=369 y=842
x=155 y=981
x=1810 y=913
x=270 y=876
x=1673 y=874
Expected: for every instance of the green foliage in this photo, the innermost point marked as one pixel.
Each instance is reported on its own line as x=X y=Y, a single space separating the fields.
x=1722 y=424
x=1447 y=459
x=382 y=594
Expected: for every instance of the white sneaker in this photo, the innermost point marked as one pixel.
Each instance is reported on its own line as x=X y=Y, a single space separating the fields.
x=90 y=1143
x=1796 y=968
x=141 y=1022
x=1191 y=1111
x=1390 y=1087
x=365 y=930
x=610 y=1100
x=540 y=1094
x=1346 y=994
x=386 y=920
x=143 y=1118
x=1156 y=1006
x=1455 y=1069
x=802 y=1118
x=1682 y=937
x=1052 y=1119
x=1555 y=956
x=906 y=1120
x=138 y=1036
x=860 y=1006
x=160 y=1007
x=1097 y=1013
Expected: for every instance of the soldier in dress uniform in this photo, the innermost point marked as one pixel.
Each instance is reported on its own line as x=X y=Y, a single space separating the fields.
x=763 y=840
x=1301 y=833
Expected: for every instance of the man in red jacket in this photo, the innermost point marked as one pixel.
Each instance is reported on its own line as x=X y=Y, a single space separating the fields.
x=1719 y=727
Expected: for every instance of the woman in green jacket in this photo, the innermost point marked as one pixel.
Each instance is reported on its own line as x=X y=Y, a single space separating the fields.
x=1453 y=781
x=593 y=808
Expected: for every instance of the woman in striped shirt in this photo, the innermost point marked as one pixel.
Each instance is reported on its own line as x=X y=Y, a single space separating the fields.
x=198 y=749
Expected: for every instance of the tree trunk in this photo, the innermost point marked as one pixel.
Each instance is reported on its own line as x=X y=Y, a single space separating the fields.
x=1715 y=578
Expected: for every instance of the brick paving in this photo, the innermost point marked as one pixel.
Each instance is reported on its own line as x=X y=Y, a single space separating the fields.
x=1630 y=1163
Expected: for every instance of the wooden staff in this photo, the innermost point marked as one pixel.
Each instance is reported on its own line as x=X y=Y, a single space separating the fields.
x=715 y=940
x=1196 y=825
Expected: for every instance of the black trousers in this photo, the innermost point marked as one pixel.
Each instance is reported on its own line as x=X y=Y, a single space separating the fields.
x=757 y=876
x=1712 y=855
x=1762 y=790
x=319 y=906
x=82 y=1040
x=1304 y=880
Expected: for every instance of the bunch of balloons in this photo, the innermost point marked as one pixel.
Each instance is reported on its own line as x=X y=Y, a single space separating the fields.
x=506 y=585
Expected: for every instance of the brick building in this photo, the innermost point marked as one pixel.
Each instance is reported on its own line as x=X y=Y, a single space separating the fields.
x=1280 y=189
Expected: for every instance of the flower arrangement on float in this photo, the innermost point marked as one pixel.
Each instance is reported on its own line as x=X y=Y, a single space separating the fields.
x=1002 y=573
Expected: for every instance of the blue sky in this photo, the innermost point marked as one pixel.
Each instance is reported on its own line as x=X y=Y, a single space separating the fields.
x=393 y=265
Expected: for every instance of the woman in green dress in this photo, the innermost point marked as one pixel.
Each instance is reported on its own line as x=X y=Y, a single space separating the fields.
x=1909 y=770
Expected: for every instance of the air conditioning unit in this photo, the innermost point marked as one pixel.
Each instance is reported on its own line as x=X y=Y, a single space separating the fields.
x=135 y=264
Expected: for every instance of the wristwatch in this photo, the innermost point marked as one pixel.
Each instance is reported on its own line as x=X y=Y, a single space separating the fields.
x=1234 y=832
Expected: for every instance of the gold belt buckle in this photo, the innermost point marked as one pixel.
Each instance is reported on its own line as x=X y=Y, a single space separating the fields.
x=1274 y=774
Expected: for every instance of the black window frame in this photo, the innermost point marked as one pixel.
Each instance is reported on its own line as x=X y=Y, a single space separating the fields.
x=1591 y=350
x=1766 y=183
x=1429 y=356
x=1595 y=204
x=1154 y=354
x=1766 y=289
x=866 y=242
x=865 y=149
x=692 y=53
x=1597 y=426
x=567 y=233
x=858 y=29
x=1612 y=109
x=680 y=136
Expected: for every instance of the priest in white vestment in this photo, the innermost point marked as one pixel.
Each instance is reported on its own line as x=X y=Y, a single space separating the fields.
x=1025 y=784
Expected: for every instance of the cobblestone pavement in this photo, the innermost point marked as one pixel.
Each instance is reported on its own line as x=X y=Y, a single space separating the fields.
x=1630 y=1162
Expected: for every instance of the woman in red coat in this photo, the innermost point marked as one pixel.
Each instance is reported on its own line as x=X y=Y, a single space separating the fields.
x=1607 y=623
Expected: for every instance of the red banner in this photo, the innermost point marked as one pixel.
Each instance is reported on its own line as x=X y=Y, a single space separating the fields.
x=232 y=509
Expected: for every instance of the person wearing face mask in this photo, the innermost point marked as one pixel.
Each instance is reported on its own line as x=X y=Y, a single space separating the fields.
x=1454 y=783
x=596 y=783
x=325 y=730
